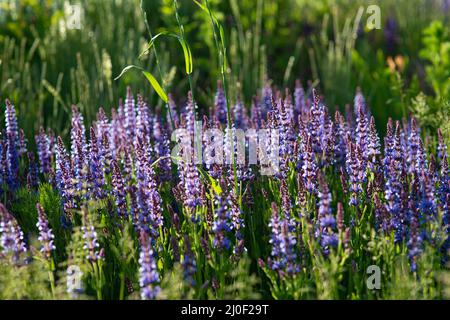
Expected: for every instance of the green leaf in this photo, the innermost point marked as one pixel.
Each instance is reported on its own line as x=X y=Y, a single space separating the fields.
x=187 y=55
x=186 y=50
x=156 y=86
x=126 y=69
x=216 y=186
x=201 y=6
x=153 y=39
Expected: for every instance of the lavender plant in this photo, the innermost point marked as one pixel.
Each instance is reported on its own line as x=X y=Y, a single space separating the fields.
x=339 y=202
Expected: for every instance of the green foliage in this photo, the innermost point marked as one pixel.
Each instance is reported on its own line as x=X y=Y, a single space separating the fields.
x=173 y=286
x=45 y=67
x=436 y=51
x=15 y=281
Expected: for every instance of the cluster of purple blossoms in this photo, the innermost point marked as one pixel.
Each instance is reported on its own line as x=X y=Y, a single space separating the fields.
x=46 y=235
x=393 y=190
x=228 y=223
x=12 y=146
x=162 y=150
x=240 y=114
x=43 y=151
x=119 y=190
x=220 y=104
x=326 y=222
x=96 y=172
x=189 y=175
x=356 y=172
x=309 y=167
x=11 y=236
x=267 y=95
x=148 y=199
x=373 y=147
x=91 y=243
x=132 y=150
x=222 y=226
x=362 y=131
x=78 y=150
x=414 y=234
x=130 y=115
x=63 y=177
x=299 y=101
x=283 y=242
x=148 y=272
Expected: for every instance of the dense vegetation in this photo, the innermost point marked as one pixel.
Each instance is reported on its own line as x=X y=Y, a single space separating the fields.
x=89 y=183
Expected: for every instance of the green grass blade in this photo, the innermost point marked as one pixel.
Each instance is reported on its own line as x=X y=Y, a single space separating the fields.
x=155 y=84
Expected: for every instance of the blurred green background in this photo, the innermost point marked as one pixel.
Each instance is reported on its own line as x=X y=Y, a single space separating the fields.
x=403 y=67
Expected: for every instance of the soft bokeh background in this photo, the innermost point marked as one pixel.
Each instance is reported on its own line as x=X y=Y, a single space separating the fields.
x=403 y=67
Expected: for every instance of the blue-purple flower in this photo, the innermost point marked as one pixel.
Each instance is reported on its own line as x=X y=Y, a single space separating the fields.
x=46 y=236
x=11 y=236
x=148 y=272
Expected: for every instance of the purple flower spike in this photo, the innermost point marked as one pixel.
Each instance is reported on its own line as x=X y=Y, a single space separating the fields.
x=91 y=244
x=373 y=147
x=442 y=147
x=309 y=166
x=220 y=104
x=162 y=150
x=149 y=201
x=119 y=190
x=326 y=223
x=130 y=115
x=267 y=94
x=240 y=115
x=78 y=148
x=221 y=225
x=12 y=146
x=283 y=243
x=444 y=190
x=44 y=153
x=11 y=236
x=359 y=103
x=414 y=235
x=388 y=145
x=314 y=125
x=413 y=147
x=63 y=177
x=362 y=131
x=299 y=100
x=256 y=113
x=22 y=147
x=96 y=177
x=45 y=233
x=11 y=121
x=173 y=112
x=143 y=120
x=393 y=190
x=148 y=272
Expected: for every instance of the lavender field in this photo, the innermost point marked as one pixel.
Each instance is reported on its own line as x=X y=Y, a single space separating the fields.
x=167 y=168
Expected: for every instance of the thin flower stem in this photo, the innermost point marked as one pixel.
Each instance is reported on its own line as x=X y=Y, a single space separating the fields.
x=221 y=52
x=158 y=66
x=182 y=35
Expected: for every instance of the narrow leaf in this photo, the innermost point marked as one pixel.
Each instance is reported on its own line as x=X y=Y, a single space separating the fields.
x=126 y=69
x=156 y=86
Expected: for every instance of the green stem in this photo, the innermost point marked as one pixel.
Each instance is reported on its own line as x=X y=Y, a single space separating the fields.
x=221 y=52
x=182 y=35
x=98 y=282
x=122 y=286
x=158 y=66
x=51 y=276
